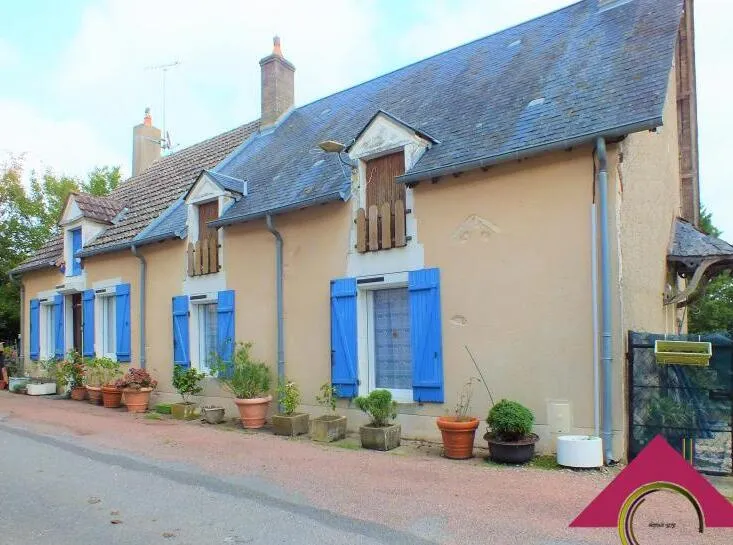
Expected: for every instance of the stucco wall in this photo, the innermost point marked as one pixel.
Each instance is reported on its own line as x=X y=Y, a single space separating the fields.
x=649 y=176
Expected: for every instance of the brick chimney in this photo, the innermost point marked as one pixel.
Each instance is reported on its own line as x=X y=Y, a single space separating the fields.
x=278 y=87
x=145 y=144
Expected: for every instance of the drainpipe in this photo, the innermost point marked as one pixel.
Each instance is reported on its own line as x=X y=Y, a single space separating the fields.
x=143 y=275
x=22 y=315
x=606 y=348
x=279 y=289
x=594 y=287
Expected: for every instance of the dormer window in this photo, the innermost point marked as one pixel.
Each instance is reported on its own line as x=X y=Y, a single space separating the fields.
x=75 y=242
x=203 y=253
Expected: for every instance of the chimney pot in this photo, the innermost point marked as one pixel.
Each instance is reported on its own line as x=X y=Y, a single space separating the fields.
x=277 y=85
x=148 y=119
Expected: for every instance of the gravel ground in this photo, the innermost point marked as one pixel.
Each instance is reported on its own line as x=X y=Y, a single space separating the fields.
x=413 y=492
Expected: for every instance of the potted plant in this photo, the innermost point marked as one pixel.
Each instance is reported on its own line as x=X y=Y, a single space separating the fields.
x=72 y=375
x=288 y=422
x=136 y=386
x=98 y=371
x=459 y=430
x=48 y=384
x=111 y=394
x=187 y=383
x=212 y=414
x=328 y=427
x=249 y=381
x=510 y=437
x=379 y=434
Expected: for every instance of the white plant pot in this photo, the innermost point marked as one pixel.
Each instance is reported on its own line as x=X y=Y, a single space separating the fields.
x=41 y=389
x=579 y=451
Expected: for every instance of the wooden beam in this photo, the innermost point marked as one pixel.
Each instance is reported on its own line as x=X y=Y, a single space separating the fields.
x=682 y=298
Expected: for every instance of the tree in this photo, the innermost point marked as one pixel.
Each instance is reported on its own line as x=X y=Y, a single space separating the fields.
x=29 y=218
x=713 y=310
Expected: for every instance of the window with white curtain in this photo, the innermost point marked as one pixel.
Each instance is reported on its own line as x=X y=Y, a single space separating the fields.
x=108 y=333
x=207 y=325
x=389 y=331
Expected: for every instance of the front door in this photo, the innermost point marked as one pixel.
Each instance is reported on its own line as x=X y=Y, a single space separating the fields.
x=76 y=321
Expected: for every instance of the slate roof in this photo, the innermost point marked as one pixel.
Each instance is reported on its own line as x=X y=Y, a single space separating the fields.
x=568 y=76
x=102 y=209
x=149 y=194
x=688 y=242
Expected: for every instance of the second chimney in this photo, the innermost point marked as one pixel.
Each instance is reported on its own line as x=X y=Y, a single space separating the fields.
x=145 y=144
x=278 y=85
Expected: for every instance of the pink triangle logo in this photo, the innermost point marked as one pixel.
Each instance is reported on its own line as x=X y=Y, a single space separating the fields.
x=657 y=467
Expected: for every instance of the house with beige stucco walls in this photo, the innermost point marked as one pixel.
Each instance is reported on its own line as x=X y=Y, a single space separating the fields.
x=516 y=197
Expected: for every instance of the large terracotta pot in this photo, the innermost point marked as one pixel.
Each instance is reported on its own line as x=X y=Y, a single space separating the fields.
x=458 y=436
x=137 y=400
x=78 y=393
x=94 y=395
x=111 y=397
x=253 y=412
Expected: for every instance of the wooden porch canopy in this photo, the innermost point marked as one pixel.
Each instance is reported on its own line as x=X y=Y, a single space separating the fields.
x=699 y=258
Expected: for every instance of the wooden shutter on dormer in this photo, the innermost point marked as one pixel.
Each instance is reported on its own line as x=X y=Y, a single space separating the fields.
x=380 y=180
x=207 y=212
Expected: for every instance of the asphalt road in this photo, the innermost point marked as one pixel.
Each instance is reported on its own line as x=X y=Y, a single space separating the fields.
x=63 y=492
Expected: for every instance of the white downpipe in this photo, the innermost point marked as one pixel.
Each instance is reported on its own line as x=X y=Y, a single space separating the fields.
x=594 y=287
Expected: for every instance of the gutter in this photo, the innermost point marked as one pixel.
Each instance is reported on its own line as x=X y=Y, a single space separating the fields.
x=239 y=218
x=15 y=280
x=279 y=290
x=606 y=315
x=524 y=153
x=143 y=274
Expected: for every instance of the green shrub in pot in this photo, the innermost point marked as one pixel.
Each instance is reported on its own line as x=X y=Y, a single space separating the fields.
x=510 y=437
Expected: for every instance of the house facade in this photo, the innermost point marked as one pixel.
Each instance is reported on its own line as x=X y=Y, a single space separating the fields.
x=512 y=200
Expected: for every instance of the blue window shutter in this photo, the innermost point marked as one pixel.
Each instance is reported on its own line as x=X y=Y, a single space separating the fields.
x=87 y=308
x=425 y=335
x=75 y=247
x=180 y=331
x=34 y=333
x=225 y=332
x=122 y=322
x=344 y=372
x=58 y=325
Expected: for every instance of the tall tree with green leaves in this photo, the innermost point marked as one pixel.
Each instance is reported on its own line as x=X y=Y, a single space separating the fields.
x=29 y=218
x=713 y=310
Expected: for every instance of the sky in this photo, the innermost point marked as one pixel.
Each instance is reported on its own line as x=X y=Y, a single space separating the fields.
x=75 y=76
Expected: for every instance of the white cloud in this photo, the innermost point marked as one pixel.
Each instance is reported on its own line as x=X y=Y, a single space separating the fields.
x=62 y=146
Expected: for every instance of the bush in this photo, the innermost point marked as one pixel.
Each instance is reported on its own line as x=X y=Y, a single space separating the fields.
x=510 y=421
x=327 y=399
x=379 y=406
x=245 y=377
x=102 y=371
x=186 y=382
x=135 y=379
x=288 y=396
x=71 y=371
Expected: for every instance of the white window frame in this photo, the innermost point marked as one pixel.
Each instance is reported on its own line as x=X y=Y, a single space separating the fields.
x=47 y=339
x=107 y=337
x=197 y=333
x=365 y=326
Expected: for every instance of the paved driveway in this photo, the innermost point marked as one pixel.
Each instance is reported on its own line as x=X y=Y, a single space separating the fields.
x=70 y=470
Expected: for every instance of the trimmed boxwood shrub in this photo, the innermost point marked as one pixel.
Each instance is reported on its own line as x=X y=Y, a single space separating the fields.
x=510 y=421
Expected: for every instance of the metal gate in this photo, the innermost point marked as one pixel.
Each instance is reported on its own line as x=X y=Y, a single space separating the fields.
x=690 y=406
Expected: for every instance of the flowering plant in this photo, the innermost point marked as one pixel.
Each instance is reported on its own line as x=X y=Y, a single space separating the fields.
x=135 y=379
x=72 y=370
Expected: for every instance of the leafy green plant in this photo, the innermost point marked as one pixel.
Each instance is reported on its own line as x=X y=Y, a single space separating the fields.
x=72 y=371
x=187 y=382
x=101 y=371
x=288 y=397
x=245 y=377
x=327 y=398
x=378 y=405
x=510 y=421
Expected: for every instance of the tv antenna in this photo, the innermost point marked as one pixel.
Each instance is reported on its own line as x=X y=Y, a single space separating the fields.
x=163 y=68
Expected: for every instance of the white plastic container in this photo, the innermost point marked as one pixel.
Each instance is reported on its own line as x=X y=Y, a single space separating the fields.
x=579 y=451
x=40 y=389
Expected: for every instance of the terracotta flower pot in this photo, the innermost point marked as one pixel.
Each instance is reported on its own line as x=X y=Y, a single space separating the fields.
x=94 y=395
x=137 y=400
x=78 y=393
x=253 y=412
x=111 y=397
x=458 y=436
